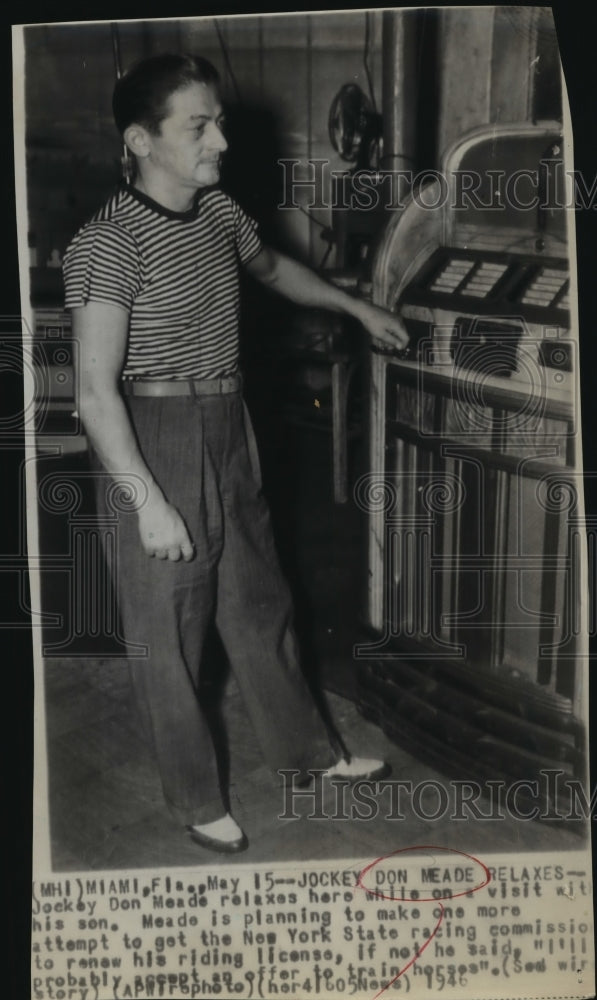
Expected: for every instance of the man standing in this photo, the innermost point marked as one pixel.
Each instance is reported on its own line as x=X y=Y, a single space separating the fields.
x=152 y=282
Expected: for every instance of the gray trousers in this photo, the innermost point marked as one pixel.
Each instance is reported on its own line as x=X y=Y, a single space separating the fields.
x=202 y=452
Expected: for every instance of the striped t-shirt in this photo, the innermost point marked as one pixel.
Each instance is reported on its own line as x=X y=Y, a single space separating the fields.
x=176 y=273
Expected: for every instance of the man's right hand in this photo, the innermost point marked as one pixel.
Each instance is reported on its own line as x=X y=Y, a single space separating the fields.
x=164 y=533
x=101 y=332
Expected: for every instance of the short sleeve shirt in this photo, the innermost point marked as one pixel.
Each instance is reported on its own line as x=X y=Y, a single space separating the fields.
x=176 y=274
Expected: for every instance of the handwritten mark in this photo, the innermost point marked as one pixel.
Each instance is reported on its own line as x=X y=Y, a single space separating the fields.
x=429 y=899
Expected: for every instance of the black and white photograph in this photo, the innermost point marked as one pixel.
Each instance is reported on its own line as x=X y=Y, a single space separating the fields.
x=304 y=484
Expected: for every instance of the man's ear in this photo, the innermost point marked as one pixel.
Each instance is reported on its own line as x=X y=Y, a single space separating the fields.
x=136 y=138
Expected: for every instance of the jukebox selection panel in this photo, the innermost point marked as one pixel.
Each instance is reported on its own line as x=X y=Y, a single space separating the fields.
x=500 y=277
x=496 y=313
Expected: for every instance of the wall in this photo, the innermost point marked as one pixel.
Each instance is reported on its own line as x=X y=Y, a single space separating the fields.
x=496 y=67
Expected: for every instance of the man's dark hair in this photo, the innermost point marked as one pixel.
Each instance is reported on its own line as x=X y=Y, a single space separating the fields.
x=141 y=95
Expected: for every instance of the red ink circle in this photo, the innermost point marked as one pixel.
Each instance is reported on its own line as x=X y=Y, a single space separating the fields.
x=424 y=899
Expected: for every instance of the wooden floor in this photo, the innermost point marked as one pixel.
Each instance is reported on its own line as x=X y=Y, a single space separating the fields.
x=107 y=810
x=105 y=803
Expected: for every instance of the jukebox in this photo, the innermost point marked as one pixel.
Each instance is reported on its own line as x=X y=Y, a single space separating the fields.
x=473 y=493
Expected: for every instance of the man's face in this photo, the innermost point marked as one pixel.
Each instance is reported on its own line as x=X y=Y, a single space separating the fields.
x=187 y=151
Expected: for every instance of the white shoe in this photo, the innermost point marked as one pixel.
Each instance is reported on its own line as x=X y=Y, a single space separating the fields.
x=358 y=769
x=223 y=835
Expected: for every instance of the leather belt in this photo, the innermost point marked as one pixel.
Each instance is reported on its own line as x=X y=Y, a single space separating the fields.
x=182 y=387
